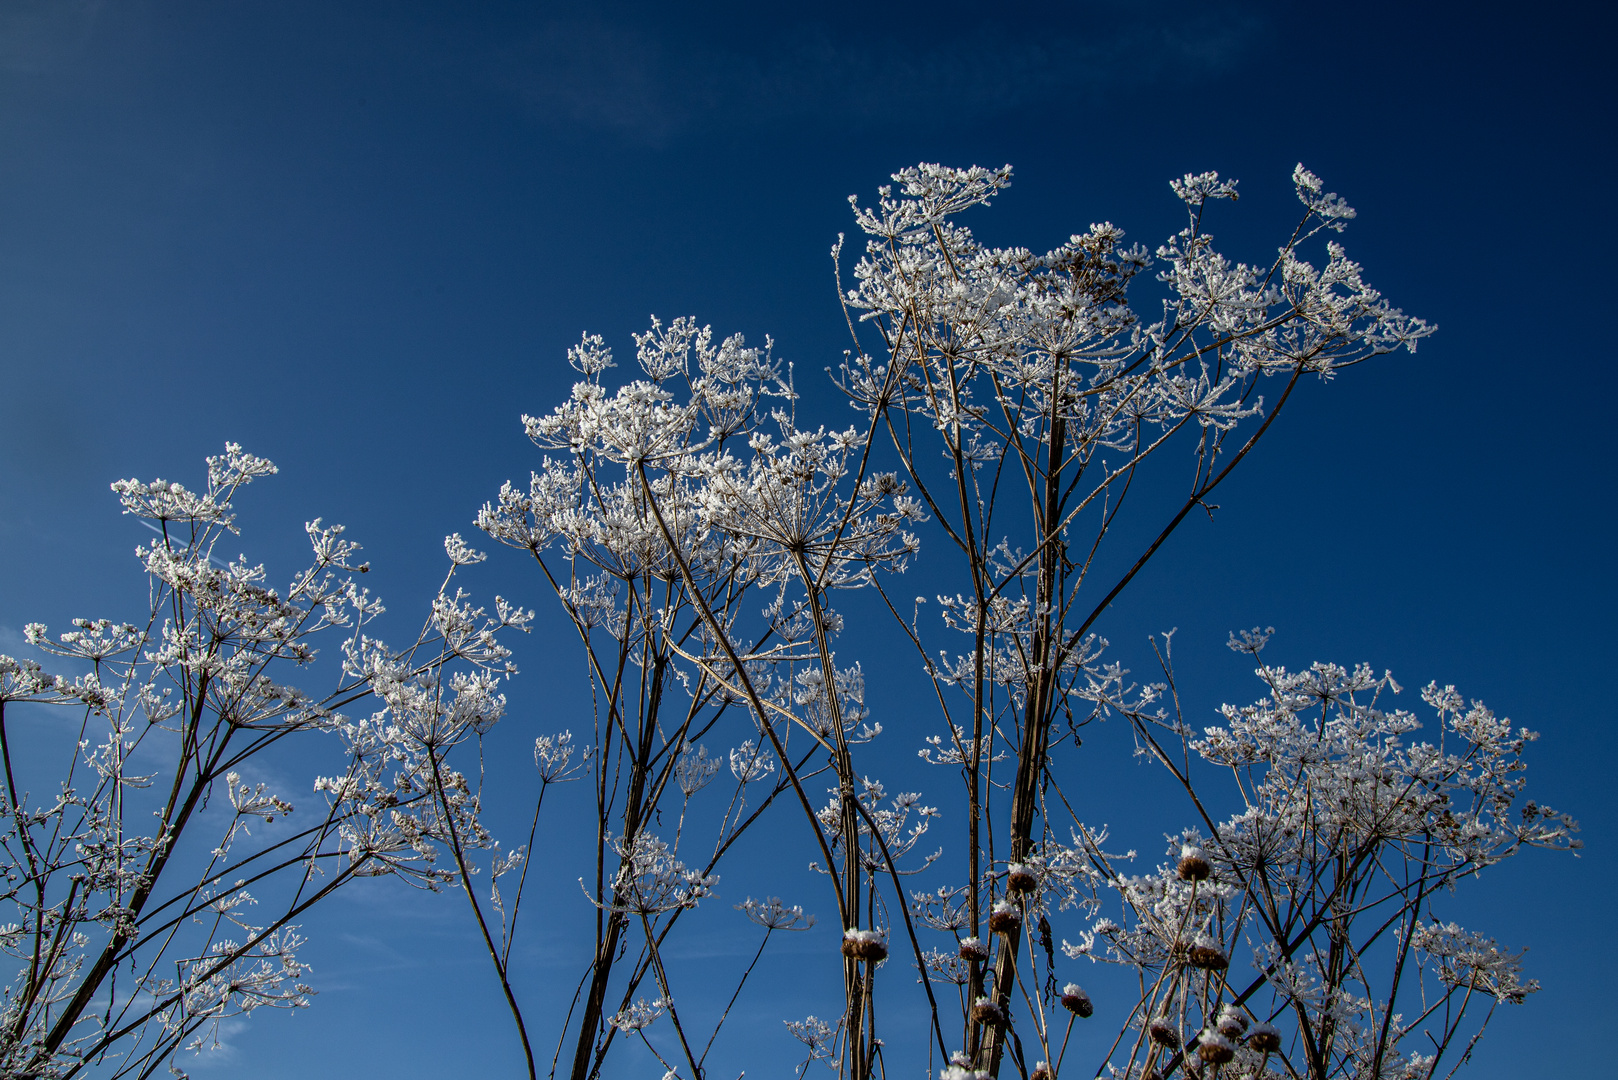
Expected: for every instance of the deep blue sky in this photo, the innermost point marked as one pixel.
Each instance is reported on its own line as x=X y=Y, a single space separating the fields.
x=358 y=237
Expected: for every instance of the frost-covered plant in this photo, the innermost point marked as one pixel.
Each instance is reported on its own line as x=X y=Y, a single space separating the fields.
x=1310 y=907
x=676 y=506
x=1009 y=402
x=1022 y=394
x=152 y=882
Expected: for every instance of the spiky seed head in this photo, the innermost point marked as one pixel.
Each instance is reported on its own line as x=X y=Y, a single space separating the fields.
x=1076 y=1001
x=1021 y=879
x=1232 y=1022
x=1193 y=864
x=1163 y=1031
x=985 y=1011
x=866 y=945
x=1215 y=1049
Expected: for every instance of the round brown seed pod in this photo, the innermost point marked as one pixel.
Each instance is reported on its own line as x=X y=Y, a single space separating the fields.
x=974 y=950
x=1265 y=1039
x=985 y=1011
x=1077 y=1002
x=1042 y=1071
x=1215 y=1049
x=1208 y=958
x=1004 y=919
x=1193 y=865
x=1163 y=1031
x=1020 y=879
x=1232 y=1023
x=864 y=945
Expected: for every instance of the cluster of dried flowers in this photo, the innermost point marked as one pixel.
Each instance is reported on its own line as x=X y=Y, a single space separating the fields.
x=695 y=533
x=150 y=891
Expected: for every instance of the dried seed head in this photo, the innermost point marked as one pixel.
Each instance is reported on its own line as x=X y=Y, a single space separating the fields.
x=1193 y=864
x=1214 y=1048
x=1265 y=1038
x=985 y=1011
x=1042 y=1071
x=1208 y=957
x=1162 y=1030
x=1021 y=879
x=973 y=949
x=866 y=945
x=1232 y=1022
x=1005 y=919
x=1076 y=1001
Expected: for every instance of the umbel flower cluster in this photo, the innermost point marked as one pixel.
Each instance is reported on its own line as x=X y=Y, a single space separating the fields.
x=151 y=889
x=1310 y=907
x=708 y=548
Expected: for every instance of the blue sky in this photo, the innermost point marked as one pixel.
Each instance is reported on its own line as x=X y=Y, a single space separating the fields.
x=357 y=238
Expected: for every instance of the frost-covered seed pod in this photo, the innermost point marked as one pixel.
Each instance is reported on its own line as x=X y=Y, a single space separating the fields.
x=1193 y=864
x=1208 y=958
x=1215 y=1049
x=1265 y=1038
x=1232 y=1022
x=973 y=949
x=1042 y=1071
x=1076 y=1001
x=865 y=945
x=1163 y=1031
x=985 y=1011
x=1005 y=919
x=1020 y=879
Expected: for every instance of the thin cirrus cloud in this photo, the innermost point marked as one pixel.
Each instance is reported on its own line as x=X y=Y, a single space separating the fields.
x=650 y=87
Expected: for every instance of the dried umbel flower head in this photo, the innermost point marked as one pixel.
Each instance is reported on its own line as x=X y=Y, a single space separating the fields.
x=973 y=949
x=1076 y=1001
x=1232 y=1022
x=1215 y=1049
x=985 y=1011
x=1193 y=865
x=1005 y=918
x=1207 y=955
x=866 y=945
x=1265 y=1038
x=1163 y=1031
x=1021 y=879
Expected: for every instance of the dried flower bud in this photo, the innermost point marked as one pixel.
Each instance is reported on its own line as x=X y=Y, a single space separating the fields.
x=1020 y=879
x=1005 y=919
x=1232 y=1022
x=1193 y=864
x=1076 y=1001
x=1214 y=1048
x=973 y=949
x=1264 y=1038
x=985 y=1011
x=1163 y=1031
x=1208 y=958
x=866 y=945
